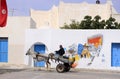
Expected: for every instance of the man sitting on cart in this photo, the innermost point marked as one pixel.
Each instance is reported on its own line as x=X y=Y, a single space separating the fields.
x=61 y=51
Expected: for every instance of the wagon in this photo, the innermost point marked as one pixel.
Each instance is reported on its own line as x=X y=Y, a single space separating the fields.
x=66 y=63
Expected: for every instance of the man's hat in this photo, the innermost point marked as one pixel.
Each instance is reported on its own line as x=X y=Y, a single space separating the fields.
x=86 y=45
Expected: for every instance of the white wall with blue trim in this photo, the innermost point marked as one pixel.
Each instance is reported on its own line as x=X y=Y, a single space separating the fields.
x=108 y=58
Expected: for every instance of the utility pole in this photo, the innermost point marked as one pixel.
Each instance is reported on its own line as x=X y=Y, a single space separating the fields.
x=12 y=11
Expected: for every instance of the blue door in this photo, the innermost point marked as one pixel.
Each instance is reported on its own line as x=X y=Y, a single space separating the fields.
x=39 y=48
x=115 y=56
x=3 y=49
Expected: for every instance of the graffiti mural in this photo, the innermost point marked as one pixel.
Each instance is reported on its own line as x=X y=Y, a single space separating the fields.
x=95 y=44
x=89 y=50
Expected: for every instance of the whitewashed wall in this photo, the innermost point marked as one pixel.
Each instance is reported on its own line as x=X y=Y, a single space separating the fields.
x=53 y=38
x=15 y=31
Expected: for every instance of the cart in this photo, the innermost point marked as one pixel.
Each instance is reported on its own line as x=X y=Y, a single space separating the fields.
x=66 y=63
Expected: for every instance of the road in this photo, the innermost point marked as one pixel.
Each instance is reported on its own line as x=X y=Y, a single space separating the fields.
x=44 y=74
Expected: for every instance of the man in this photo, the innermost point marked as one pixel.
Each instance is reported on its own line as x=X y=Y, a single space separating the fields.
x=61 y=51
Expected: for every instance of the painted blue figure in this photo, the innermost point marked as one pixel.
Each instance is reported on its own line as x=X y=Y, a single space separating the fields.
x=80 y=48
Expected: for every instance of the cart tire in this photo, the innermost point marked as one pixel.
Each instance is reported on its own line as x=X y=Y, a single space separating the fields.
x=60 y=68
x=67 y=67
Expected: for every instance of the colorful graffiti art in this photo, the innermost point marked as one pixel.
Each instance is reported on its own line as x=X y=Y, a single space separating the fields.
x=88 y=51
x=95 y=44
x=91 y=49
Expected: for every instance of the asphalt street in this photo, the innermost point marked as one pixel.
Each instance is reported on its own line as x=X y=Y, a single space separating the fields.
x=53 y=74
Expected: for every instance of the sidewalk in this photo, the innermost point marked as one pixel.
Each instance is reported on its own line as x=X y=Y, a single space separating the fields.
x=5 y=68
x=8 y=68
x=12 y=66
x=97 y=70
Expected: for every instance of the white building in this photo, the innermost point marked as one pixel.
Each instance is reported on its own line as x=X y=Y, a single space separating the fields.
x=65 y=12
x=12 y=40
x=21 y=33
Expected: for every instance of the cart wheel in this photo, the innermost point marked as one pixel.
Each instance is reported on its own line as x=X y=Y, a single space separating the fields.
x=60 y=68
x=67 y=67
